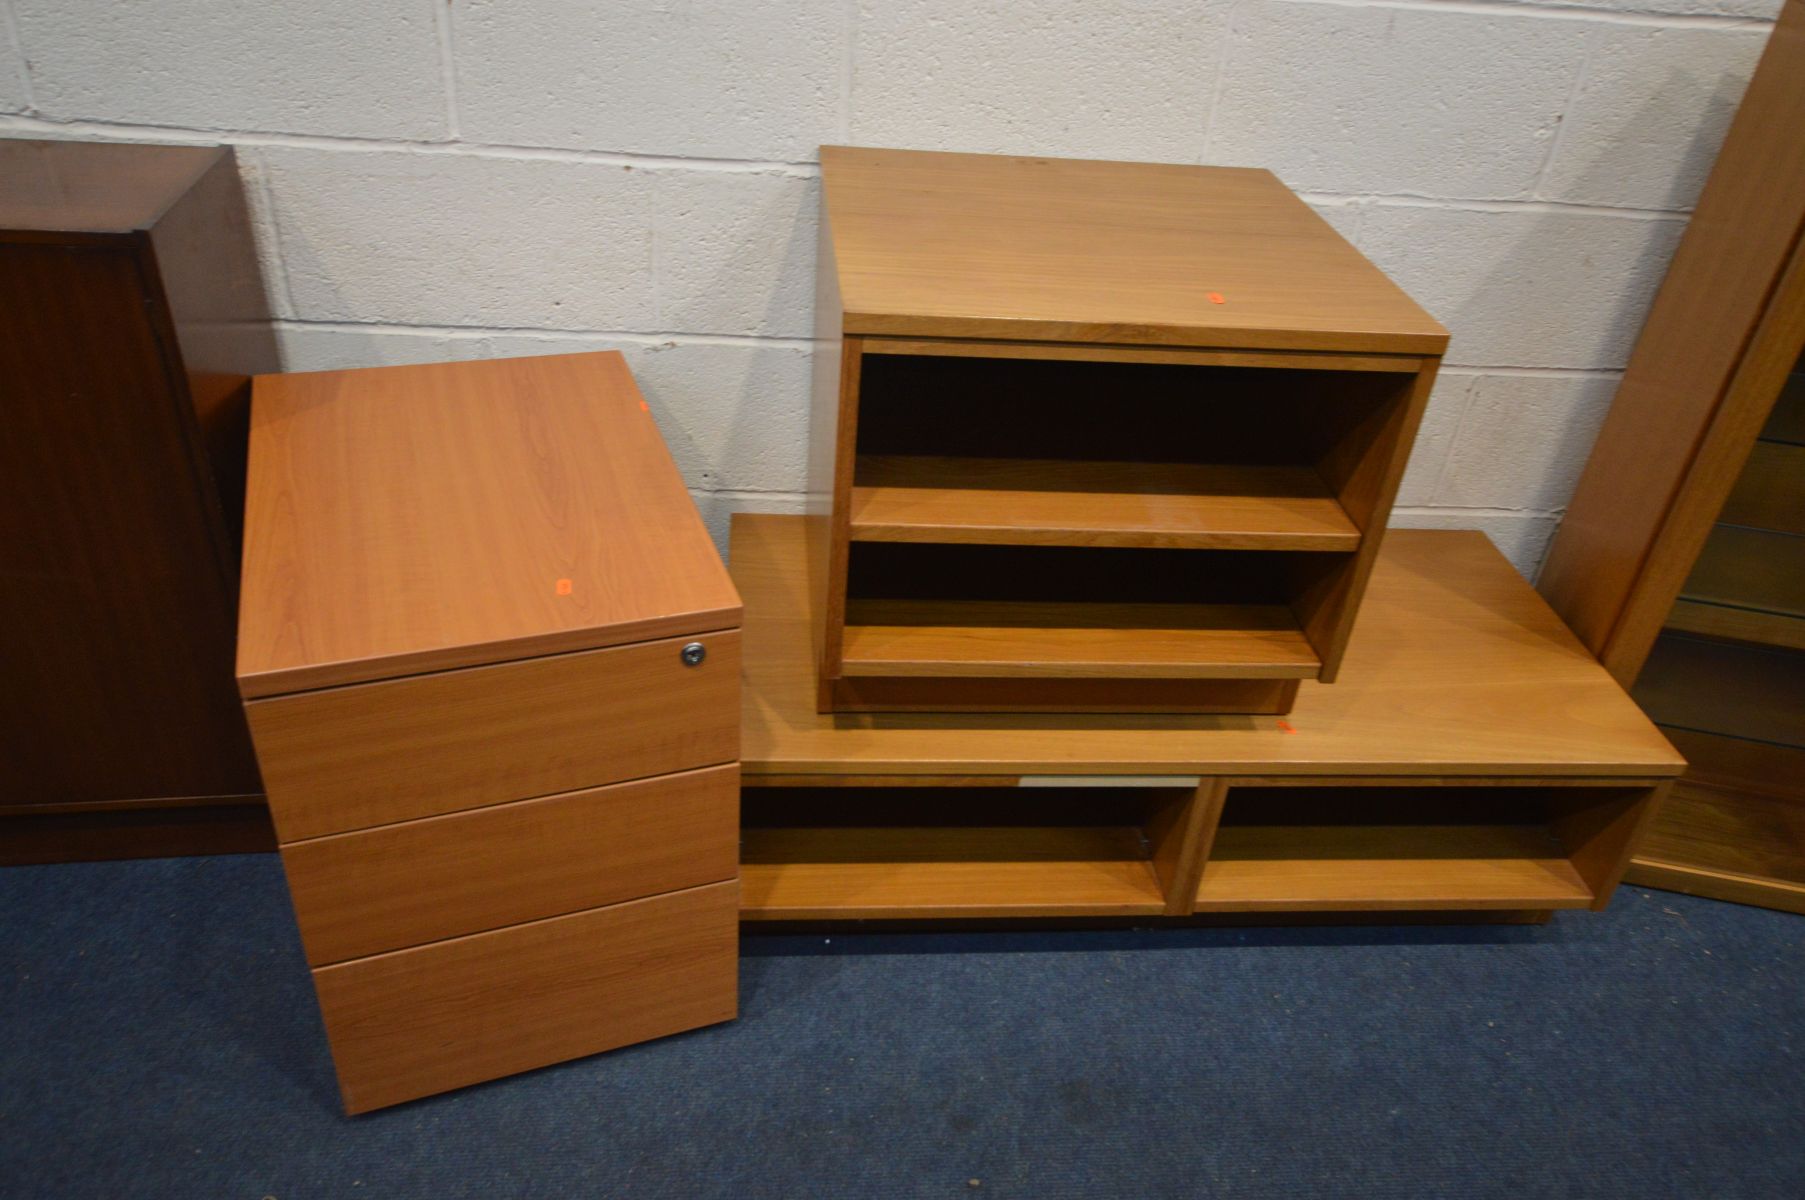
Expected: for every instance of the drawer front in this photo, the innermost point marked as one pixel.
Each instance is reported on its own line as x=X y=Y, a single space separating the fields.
x=375 y=890
x=376 y=753
x=426 y=1020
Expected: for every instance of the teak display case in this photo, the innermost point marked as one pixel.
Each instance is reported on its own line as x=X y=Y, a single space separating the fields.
x=1473 y=759
x=490 y=660
x=1681 y=560
x=1095 y=436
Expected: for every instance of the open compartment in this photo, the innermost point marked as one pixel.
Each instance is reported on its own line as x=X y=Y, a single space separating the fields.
x=1420 y=845
x=1026 y=451
x=1100 y=516
x=1056 y=612
x=830 y=851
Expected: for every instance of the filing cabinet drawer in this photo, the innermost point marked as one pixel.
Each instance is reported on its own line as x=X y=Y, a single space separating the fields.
x=419 y=1021
x=375 y=890
x=372 y=754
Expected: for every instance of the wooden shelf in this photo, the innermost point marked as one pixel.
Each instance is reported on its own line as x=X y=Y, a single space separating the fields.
x=1063 y=640
x=844 y=872
x=1737 y=624
x=1255 y=868
x=1750 y=568
x=1737 y=691
x=1057 y=502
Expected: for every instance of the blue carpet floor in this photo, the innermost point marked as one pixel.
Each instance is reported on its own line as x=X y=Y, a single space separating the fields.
x=160 y=1040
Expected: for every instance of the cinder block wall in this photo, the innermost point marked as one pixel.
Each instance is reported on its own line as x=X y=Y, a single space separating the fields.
x=465 y=178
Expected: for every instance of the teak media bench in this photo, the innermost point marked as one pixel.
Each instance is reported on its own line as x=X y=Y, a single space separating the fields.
x=1472 y=758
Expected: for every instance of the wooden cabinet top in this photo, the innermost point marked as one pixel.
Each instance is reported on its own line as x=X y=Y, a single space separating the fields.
x=1456 y=667
x=1040 y=249
x=94 y=187
x=408 y=519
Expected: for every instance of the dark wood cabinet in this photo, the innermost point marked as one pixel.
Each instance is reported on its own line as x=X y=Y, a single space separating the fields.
x=134 y=317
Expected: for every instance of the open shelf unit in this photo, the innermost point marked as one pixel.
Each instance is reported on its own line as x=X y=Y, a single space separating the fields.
x=910 y=847
x=1022 y=512
x=919 y=850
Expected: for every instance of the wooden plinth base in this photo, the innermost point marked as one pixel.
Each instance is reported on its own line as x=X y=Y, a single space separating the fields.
x=904 y=694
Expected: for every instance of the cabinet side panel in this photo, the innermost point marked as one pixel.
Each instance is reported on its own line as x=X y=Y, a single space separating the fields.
x=1364 y=470
x=205 y=257
x=832 y=433
x=118 y=653
x=1697 y=332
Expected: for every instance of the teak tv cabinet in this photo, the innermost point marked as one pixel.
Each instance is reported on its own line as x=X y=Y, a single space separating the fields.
x=490 y=659
x=1472 y=759
x=1095 y=436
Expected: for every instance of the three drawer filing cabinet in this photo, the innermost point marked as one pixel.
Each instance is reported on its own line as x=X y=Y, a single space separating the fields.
x=490 y=660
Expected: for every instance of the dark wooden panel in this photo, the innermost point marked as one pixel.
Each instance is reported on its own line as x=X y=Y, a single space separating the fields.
x=205 y=260
x=117 y=653
x=135 y=833
x=1739 y=691
x=1771 y=491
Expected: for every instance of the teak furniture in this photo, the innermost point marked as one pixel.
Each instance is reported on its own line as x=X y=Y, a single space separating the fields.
x=134 y=318
x=491 y=664
x=1473 y=758
x=1095 y=436
x=1681 y=560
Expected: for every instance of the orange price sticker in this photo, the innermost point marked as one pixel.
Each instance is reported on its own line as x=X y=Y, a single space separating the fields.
x=563 y=588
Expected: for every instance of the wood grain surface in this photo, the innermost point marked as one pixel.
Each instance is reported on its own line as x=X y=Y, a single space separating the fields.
x=829 y=873
x=966 y=245
x=1753 y=692
x=1302 y=868
x=1750 y=568
x=1721 y=337
x=504 y=508
x=436 y=1017
x=908 y=498
x=1062 y=640
x=116 y=569
x=1029 y=694
x=1770 y=492
x=1456 y=667
x=375 y=753
x=362 y=893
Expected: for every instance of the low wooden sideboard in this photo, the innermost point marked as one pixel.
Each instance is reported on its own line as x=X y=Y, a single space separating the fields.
x=490 y=660
x=1472 y=758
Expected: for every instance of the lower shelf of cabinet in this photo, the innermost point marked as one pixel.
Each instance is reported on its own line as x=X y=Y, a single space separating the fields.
x=905 y=872
x=918 y=873
x=1304 y=868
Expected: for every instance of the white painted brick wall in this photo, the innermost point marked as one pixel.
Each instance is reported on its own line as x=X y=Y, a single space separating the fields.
x=1368 y=99
x=742 y=79
x=440 y=179
x=339 y=67
x=1129 y=79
